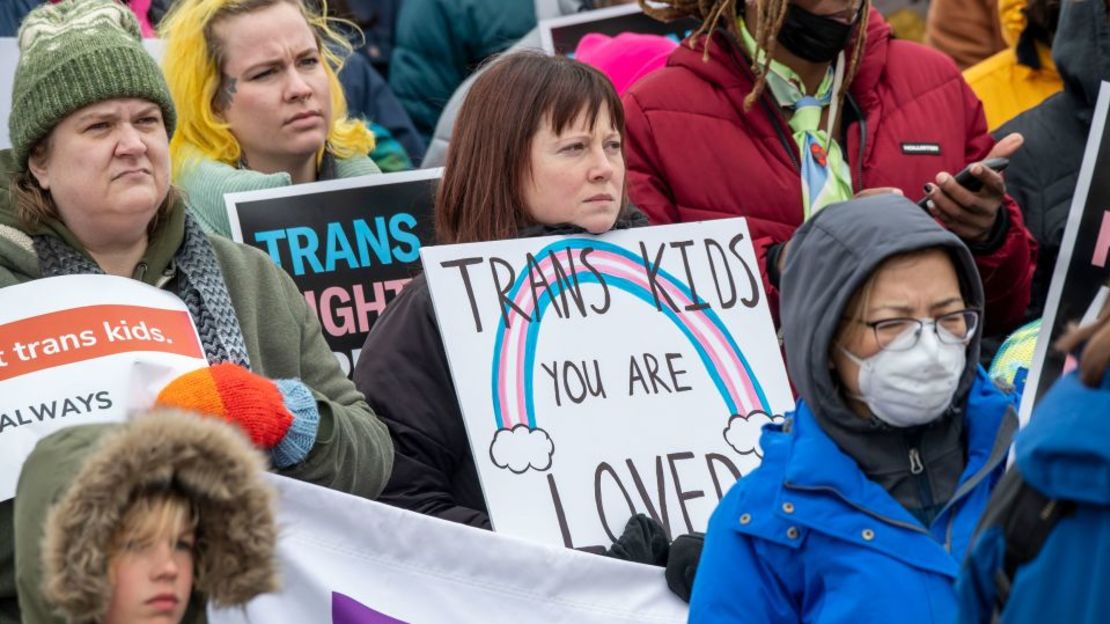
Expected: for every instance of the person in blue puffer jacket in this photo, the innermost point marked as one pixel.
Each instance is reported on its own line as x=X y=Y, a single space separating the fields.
x=1063 y=457
x=868 y=493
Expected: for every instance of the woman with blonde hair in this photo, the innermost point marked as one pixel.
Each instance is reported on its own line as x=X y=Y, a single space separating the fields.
x=258 y=100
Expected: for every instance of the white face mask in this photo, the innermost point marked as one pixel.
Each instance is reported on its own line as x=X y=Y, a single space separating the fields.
x=914 y=386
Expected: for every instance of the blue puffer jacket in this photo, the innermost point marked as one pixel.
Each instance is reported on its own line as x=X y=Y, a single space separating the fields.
x=1064 y=453
x=807 y=537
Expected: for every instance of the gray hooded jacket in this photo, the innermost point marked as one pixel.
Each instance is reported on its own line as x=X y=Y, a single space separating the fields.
x=831 y=257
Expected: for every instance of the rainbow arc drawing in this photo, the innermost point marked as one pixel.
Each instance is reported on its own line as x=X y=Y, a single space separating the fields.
x=562 y=268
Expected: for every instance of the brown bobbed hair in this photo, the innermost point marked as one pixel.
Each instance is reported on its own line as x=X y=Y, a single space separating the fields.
x=481 y=195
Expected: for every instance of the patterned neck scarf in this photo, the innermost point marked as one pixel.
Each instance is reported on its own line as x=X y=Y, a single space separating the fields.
x=200 y=284
x=826 y=177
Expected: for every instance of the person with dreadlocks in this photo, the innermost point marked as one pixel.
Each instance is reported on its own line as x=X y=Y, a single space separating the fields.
x=774 y=109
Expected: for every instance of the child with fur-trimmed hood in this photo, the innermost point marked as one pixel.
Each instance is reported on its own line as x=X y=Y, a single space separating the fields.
x=142 y=522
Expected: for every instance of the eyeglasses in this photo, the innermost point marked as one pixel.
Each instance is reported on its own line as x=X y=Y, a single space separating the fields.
x=952 y=328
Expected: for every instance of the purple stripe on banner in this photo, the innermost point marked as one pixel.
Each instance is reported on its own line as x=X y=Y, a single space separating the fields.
x=347 y=610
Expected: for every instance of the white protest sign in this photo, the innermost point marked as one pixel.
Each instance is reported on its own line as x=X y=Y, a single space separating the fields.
x=82 y=349
x=9 y=58
x=347 y=560
x=601 y=376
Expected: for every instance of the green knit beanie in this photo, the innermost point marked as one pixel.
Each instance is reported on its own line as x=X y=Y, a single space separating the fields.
x=73 y=54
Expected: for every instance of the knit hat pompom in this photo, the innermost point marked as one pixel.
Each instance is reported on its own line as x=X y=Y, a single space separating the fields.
x=73 y=54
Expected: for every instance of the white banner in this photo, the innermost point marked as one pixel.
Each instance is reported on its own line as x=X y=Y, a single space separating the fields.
x=83 y=349
x=347 y=560
x=603 y=376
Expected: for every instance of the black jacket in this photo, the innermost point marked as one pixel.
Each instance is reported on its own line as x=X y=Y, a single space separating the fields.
x=1043 y=173
x=404 y=374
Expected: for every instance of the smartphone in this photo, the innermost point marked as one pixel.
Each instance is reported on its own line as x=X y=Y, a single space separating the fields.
x=965 y=179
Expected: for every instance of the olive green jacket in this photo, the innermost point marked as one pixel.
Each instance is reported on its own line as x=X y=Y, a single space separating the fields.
x=353 y=451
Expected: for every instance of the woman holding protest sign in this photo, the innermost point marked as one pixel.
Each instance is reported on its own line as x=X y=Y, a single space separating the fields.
x=867 y=496
x=536 y=151
x=774 y=109
x=259 y=101
x=87 y=191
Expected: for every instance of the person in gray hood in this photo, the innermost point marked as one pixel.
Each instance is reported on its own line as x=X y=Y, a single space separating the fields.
x=868 y=494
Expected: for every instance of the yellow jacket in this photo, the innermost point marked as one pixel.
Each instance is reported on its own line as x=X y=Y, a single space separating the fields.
x=1006 y=87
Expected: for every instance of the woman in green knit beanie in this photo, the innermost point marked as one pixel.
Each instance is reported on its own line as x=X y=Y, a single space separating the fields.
x=86 y=189
x=255 y=82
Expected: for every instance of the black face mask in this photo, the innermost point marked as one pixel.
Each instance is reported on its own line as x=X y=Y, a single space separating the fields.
x=815 y=38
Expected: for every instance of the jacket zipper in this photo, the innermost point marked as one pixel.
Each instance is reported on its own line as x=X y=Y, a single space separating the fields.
x=918 y=471
x=916 y=467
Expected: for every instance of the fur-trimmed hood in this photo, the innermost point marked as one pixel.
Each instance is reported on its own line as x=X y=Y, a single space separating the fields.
x=94 y=471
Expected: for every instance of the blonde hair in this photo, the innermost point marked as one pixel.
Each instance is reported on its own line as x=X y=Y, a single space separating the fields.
x=154 y=516
x=765 y=30
x=194 y=72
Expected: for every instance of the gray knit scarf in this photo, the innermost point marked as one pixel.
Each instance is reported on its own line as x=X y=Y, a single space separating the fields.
x=200 y=284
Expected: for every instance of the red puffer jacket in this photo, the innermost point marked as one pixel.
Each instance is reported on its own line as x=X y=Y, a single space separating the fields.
x=693 y=154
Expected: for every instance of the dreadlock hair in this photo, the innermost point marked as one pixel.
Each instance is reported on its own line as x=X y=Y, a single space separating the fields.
x=770 y=15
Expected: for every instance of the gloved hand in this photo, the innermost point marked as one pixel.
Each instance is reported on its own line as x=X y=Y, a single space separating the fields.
x=682 y=563
x=279 y=416
x=643 y=541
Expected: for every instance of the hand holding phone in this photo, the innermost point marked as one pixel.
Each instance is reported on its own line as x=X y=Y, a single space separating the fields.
x=968 y=180
x=968 y=204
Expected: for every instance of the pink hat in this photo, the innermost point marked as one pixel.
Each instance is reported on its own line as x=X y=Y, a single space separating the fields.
x=141 y=9
x=625 y=58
